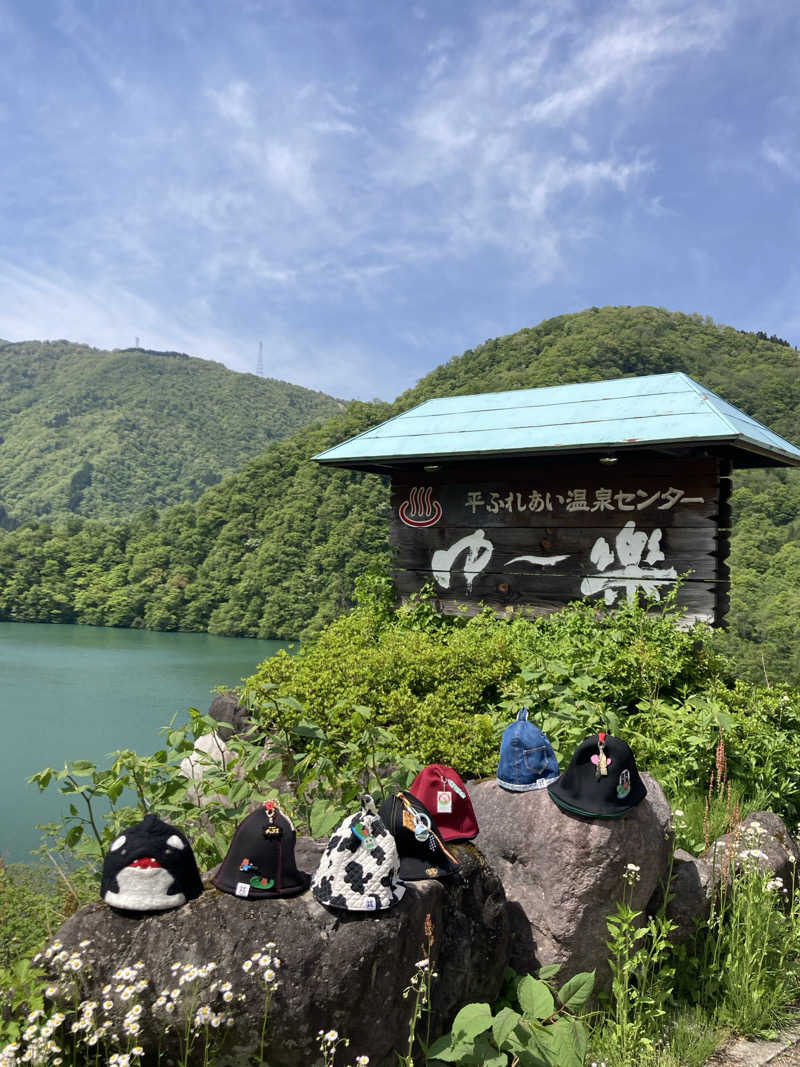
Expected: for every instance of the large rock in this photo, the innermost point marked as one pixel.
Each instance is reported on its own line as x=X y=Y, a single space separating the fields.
x=762 y=838
x=563 y=874
x=233 y=717
x=340 y=971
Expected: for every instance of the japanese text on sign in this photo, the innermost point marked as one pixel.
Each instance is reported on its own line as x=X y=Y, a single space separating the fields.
x=516 y=502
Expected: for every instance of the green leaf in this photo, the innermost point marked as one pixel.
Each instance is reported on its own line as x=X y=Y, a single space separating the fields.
x=535 y=998
x=472 y=1020
x=548 y=971
x=574 y=993
x=504 y=1023
x=82 y=767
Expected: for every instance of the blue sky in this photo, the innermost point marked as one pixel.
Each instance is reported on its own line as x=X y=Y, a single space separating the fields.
x=372 y=187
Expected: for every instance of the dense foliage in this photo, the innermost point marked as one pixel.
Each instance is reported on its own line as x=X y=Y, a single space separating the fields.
x=261 y=554
x=379 y=688
x=274 y=550
x=447 y=687
x=106 y=434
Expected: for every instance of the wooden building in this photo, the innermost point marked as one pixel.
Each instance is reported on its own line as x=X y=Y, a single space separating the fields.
x=533 y=498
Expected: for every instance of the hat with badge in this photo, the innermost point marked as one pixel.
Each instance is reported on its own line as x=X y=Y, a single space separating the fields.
x=527 y=759
x=150 y=866
x=423 y=853
x=260 y=861
x=442 y=791
x=601 y=781
x=360 y=868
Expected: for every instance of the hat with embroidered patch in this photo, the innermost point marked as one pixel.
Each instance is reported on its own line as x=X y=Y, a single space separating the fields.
x=360 y=868
x=527 y=759
x=150 y=867
x=260 y=861
x=423 y=853
x=442 y=791
x=601 y=781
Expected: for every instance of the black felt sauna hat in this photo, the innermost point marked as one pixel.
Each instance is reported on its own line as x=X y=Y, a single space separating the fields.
x=422 y=851
x=260 y=862
x=150 y=866
x=601 y=781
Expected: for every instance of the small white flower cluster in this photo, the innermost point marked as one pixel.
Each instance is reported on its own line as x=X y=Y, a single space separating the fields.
x=753 y=854
x=38 y=1037
x=631 y=874
x=776 y=885
x=267 y=963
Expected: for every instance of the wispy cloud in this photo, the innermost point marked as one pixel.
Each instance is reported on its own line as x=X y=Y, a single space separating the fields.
x=343 y=183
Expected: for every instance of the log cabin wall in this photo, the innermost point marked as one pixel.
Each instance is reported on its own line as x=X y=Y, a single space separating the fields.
x=537 y=534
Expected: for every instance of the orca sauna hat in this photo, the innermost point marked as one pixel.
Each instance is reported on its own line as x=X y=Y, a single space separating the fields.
x=443 y=793
x=150 y=867
x=360 y=868
x=602 y=781
x=260 y=861
x=422 y=852
x=527 y=760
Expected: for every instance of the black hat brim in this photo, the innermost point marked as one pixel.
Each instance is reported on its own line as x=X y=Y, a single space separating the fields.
x=599 y=809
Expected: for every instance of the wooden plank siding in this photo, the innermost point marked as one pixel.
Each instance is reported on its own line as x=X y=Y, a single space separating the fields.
x=540 y=534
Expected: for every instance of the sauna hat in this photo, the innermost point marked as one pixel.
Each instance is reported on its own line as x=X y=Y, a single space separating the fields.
x=360 y=868
x=601 y=781
x=150 y=867
x=527 y=760
x=423 y=853
x=442 y=791
x=260 y=861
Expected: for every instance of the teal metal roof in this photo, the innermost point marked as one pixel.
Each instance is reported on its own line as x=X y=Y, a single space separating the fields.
x=658 y=410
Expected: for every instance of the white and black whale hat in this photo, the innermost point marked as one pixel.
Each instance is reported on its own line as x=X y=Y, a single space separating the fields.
x=150 y=867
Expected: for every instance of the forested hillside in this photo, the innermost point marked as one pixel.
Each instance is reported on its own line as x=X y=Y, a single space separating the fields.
x=106 y=434
x=274 y=550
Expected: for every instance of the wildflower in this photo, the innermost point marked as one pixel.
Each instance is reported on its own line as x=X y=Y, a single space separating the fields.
x=422 y=964
x=247 y=966
x=362 y=1061
x=227 y=996
x=678 y=813
x=331 y=1036
x=137 y=1050
x=108 y=1005
x=269 y=975
x=170 y=1007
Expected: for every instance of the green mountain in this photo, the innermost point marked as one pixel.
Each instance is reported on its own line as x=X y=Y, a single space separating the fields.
x=274 y=550
x=106 y=434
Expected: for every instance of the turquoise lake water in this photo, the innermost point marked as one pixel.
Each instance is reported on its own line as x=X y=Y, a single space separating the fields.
x=80 y=692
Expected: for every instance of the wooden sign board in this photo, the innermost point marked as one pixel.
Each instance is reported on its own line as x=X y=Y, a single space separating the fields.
x=540 y=535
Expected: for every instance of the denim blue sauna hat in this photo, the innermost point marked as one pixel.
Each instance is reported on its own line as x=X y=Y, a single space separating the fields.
x=527 y=760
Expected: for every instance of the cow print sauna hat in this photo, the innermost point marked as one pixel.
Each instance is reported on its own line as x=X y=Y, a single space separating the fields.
x=150 y=867
x=260 y=861
x=359 y=870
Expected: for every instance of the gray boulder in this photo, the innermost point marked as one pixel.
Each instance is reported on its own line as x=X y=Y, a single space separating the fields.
x=563 y=874
x=233 y=717
x=339 y=971
x=691 y=890
x=762 y=838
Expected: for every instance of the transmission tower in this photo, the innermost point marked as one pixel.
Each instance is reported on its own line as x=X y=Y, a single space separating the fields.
x=260 y=361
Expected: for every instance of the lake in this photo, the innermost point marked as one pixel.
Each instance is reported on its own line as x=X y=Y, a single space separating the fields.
x=79 y=692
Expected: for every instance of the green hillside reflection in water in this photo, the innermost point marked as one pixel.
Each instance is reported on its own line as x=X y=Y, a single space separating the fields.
x=79 y=692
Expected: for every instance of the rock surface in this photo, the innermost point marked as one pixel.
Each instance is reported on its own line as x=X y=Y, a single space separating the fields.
x=232 y=716
x=339 y=970
x=765 y=836
x=563 y=874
